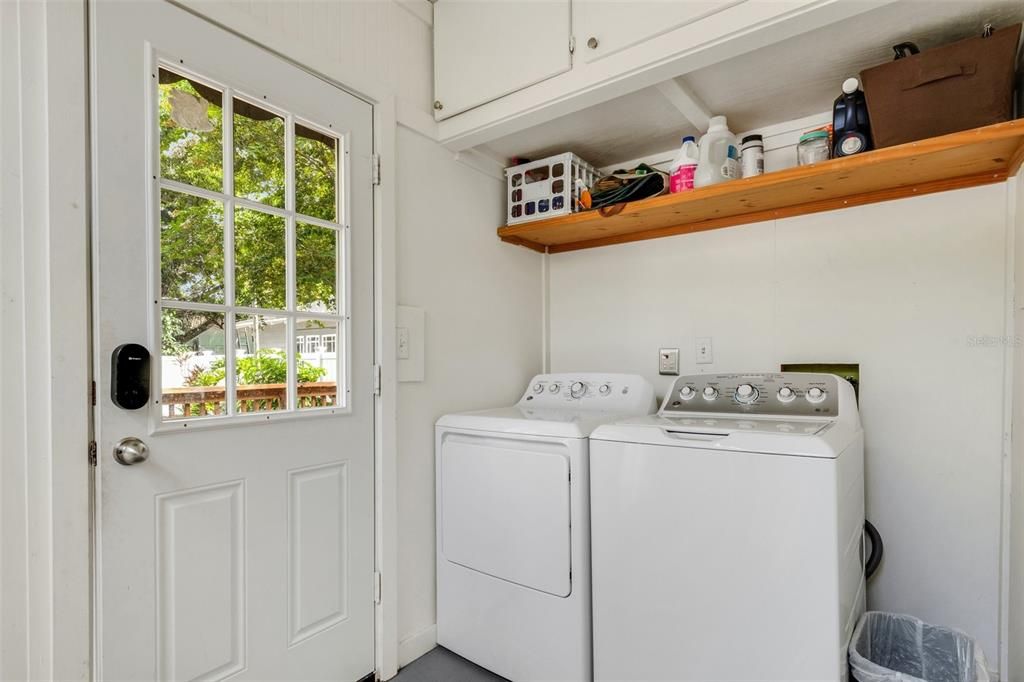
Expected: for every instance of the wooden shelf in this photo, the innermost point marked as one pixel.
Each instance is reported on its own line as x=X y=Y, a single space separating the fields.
x=965 y=159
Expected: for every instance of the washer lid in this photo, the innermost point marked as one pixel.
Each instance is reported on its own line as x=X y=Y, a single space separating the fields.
x=558 y=423
x=824 y=438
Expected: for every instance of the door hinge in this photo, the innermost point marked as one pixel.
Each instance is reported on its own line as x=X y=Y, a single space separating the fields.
x=92 y=453
x=376 y=379
x=572 y=44
x=375 y=168
x=92 y=393
x=376 y=587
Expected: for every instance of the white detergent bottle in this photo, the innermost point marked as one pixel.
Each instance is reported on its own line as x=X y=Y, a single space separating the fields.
x=719 y=155
x=684 y=167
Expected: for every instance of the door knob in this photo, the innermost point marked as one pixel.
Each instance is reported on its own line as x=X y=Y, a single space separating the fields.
x=130 y=451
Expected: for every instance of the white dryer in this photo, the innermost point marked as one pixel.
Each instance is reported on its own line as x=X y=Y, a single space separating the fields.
x=513 y=541
x=727 y=537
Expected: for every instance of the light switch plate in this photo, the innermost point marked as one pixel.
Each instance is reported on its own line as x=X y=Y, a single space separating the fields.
x=668 y=361
x=409 y=341
x=703 y=350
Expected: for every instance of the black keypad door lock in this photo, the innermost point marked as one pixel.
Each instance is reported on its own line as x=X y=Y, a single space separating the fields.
x=129 y=376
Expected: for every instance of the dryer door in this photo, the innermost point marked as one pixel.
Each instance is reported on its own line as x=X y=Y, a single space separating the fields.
x=505 y=508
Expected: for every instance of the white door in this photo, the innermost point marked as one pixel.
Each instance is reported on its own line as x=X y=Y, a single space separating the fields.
x=485 y=50
x=234 y=239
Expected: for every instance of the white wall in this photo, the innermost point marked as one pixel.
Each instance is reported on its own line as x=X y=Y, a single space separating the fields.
x=44 y=389
x=913 y=290
x=1016 y=577
x=483 y=340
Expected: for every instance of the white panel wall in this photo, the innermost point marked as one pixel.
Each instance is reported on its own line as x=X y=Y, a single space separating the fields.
x=1016 y=578
x=483 y=340
x=44 y=344
x=913 y=290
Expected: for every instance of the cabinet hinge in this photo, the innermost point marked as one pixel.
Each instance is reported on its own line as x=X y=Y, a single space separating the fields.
x=375 y=168
x=92 y=453
x=376 y=379
x=376 y=587
x=572 y=44
x=92 y=394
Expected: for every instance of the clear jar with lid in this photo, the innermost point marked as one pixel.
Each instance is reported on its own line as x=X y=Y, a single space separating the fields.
x=812 y=148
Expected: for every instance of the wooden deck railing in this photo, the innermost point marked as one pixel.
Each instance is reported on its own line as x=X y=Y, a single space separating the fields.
x=199 y=401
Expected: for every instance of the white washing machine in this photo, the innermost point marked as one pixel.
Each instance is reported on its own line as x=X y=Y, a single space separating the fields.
x=726 y=530
x=513 y=539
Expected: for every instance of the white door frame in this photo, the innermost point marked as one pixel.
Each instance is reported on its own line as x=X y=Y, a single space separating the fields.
x=49 y=61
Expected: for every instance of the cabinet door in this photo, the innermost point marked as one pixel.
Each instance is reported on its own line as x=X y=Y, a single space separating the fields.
x=603 y=28
x=484 y=49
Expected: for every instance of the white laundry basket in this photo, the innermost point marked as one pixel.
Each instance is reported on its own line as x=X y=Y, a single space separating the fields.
x=889 y=647
x=546 y=188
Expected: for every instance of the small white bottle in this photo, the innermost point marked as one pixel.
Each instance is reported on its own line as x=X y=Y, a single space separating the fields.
x=684 y=167
x=719 y=155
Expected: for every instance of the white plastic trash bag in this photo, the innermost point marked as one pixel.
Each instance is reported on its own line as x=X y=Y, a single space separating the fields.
x=888 y=647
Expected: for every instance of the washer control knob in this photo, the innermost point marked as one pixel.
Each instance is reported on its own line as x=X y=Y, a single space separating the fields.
x=687 y=393
x=815 y=394
x=577 y=389
x=786 y=394
x=710 y=393
x=746 y=394
x=538 y=388
x=554 y=388
x=605 y=389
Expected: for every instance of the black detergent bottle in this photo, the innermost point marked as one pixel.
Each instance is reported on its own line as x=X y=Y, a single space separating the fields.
x=851 y=128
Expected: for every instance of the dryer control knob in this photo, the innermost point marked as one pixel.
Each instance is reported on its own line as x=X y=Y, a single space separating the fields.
x=605 y=389
x=687 y=393
x=710 y=393
x=577 y=389
x=786 y=394
x=538 y=388
x=815 y=394
x=746 y=394
x=554 y=388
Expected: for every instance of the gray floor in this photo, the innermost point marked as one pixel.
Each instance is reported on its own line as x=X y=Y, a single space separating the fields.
x=441 y=665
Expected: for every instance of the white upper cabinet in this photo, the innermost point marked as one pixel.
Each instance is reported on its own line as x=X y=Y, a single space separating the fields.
x=484 y=50
x=604 y=28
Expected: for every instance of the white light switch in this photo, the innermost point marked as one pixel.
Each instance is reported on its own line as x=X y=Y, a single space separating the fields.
x=704 y=355
x=409 y=341
x=668 y=361
x=402 y=341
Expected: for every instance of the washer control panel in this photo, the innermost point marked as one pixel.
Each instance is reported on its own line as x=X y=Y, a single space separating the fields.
x=785 y=394
x=606 y=392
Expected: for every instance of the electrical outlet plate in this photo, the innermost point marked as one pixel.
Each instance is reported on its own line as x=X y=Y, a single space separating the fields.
x=702 y=344
x=668 y=361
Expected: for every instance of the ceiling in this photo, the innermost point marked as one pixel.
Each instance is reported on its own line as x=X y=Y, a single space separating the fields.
x=789 y=80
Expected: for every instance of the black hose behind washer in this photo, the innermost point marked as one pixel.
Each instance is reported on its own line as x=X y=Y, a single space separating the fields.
x=877 y=549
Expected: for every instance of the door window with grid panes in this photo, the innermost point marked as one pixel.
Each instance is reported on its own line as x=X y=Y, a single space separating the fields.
x=252 y=255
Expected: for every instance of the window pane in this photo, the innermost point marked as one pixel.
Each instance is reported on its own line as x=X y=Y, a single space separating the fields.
x=191 y=363
x=317 y=362
x=316 y=268
x=191 y=248
x=259 y=154
x=259 y=259
x=190 y=132
x=316 y=174
x=261 y=363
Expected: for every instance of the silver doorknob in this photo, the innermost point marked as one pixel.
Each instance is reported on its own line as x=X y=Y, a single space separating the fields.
x=130 y=451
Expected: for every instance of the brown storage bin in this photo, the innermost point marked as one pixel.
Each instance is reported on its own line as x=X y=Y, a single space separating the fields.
x=963 y=85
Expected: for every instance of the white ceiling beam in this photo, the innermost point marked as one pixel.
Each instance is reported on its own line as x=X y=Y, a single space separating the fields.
x=688 y=104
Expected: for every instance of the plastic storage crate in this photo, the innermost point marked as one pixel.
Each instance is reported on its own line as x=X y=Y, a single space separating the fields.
x=547 y=187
